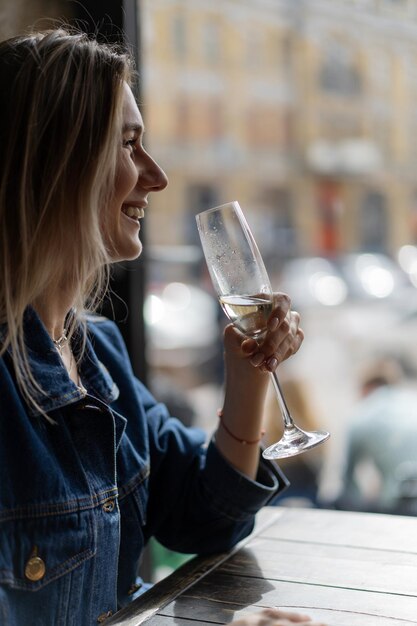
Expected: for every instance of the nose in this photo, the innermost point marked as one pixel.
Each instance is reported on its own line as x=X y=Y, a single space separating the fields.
x=151 y=176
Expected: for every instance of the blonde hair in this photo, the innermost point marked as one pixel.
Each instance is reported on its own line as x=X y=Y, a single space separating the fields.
x=60 y=120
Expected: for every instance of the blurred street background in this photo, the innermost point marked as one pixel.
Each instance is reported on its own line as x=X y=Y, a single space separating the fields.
x=305 y=111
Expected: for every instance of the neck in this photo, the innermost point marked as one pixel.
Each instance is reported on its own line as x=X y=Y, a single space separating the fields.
x=53 y=313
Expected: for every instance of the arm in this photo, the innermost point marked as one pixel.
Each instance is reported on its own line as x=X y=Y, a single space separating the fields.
x=191 y=497
x=198 y=503
x=247 y=377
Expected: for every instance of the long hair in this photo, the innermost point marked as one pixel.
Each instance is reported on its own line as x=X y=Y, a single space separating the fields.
x=60 y=120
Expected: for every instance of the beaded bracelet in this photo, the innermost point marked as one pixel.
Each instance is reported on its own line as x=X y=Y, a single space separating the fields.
x=229 y=432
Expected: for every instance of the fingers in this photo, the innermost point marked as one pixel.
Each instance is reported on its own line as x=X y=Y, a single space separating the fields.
x=282 y=306
x=283 y=339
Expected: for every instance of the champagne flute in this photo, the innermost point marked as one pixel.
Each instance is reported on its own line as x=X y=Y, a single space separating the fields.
x=242 y=285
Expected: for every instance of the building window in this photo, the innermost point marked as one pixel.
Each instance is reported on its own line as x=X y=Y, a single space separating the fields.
x=215 y=119
x=279 y=237
x=253 y=52
x=179 y=37
x=183 y=118
x=338 y=72
x=413 y=219
x=199 y=198
x=269 y=127
x=329 y=207
x=373 y=225
x=211 y=41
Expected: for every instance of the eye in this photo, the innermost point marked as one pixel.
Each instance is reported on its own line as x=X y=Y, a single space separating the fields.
x=130 y=143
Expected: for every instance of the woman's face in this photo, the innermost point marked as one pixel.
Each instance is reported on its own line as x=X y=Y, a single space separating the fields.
x=137 y=175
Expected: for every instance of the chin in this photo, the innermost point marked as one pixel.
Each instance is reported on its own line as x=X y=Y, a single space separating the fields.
x=134 y=255
x=126 y=253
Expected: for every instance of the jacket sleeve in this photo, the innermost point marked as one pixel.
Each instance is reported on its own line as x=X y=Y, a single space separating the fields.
x=195 y=501
x=198 y=503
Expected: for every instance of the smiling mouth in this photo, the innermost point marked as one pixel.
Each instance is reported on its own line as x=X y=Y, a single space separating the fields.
x=133 y=212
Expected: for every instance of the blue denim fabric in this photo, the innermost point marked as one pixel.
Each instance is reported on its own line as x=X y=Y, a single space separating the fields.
x=85 y=493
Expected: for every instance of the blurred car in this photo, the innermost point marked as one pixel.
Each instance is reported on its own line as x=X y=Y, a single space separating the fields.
x=351 y=277
x=372 y=275
x=311 y=281
x=182 y=324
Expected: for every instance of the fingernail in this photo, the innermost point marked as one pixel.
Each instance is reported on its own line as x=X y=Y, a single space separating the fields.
x=257 y=359
x=273 y=323
x=272 y=363
x=247 y=346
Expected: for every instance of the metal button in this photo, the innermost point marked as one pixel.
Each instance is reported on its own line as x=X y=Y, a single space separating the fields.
x=35 y=569
x=133 y=589
x=102 y=618
x=108 y=506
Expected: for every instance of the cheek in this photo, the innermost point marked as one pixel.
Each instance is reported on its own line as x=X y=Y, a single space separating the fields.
x=126 y=177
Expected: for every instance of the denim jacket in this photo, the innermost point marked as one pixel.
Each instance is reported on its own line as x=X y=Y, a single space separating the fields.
x=81 y=495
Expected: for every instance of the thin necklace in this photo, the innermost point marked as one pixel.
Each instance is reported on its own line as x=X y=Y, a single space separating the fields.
x=61 y=342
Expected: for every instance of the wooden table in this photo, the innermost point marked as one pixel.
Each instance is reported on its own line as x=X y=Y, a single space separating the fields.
x=343 y=568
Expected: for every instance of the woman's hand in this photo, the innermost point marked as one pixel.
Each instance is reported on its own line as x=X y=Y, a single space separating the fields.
x=282 y=339
x=275 y=617
x=247 y=364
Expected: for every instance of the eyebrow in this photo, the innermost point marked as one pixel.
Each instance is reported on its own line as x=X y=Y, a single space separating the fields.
x=134 y=126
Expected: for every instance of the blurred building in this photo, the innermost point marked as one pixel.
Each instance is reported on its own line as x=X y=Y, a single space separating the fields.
x=303 y=111
x=16 y=16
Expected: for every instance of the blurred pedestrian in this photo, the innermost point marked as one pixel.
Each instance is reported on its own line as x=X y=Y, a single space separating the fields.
x=380 y=467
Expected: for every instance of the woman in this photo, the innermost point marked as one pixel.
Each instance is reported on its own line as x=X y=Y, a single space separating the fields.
x=91 y=465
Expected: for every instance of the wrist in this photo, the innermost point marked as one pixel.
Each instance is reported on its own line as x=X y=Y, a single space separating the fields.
x=234 y=436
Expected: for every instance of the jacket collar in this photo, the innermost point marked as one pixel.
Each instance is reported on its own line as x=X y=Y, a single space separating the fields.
x=50 y=373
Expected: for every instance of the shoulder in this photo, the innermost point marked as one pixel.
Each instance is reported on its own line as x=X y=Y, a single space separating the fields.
x=106 y=338
x=102 y=329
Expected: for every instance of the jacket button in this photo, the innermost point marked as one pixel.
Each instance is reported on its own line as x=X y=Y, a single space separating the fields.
x=35 y=569
x=102 y=618
x=108 y=506
x=133 y=589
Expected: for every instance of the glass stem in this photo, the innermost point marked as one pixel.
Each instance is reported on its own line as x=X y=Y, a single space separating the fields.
x=288 y=421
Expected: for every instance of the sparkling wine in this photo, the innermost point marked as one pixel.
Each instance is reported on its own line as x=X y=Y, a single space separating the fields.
x=248 y=313
x=236 y=267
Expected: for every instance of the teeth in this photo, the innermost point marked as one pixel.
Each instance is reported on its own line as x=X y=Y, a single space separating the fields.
x=134 y=211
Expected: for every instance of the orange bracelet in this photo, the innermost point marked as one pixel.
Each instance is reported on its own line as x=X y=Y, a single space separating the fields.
x=229 y=432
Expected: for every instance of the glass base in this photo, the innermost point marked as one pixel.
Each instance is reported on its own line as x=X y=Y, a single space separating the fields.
x=295 y=441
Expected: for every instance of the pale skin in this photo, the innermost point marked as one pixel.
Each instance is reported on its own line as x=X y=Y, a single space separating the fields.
x=247 y=362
